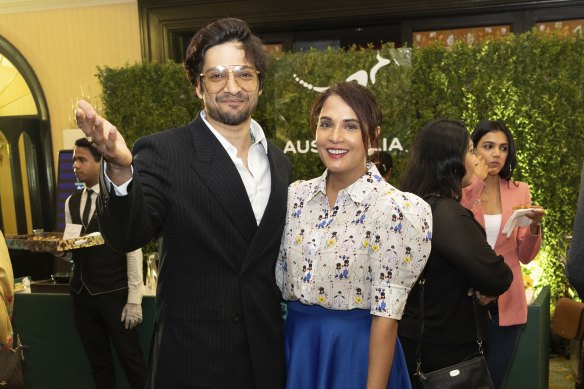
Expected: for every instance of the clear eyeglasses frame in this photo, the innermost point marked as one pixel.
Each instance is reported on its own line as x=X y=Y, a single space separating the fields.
x=246 y=77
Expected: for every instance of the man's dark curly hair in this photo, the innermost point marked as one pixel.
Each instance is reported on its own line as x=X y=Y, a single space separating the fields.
x=217 y=33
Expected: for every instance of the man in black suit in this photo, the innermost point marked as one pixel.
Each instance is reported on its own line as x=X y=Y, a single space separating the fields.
x=106 y=286
x=215 y=192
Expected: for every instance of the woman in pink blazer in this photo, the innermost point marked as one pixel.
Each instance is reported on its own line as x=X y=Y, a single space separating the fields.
x=492 y=203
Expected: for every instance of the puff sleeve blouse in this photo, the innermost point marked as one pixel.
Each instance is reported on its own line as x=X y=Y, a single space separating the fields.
x=365 y=252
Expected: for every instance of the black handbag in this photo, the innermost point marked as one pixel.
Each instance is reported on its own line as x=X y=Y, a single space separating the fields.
x=472 y=373
x=11 y=362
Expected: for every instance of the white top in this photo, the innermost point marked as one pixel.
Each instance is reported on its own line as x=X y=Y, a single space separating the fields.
x=492 y=227
x=366 y=252
x=134 y=258
x=256 y=177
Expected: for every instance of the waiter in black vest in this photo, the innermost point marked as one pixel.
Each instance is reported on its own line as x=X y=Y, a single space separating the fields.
x=106 y=286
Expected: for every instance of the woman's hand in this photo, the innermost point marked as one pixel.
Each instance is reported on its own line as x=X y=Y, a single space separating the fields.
x=536 y=215
x=481 y=298
x=481 y=169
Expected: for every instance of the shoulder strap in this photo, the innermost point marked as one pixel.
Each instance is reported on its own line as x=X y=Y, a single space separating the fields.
x=432 y=201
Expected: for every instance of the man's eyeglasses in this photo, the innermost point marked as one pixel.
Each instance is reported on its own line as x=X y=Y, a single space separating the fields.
x=216 y=77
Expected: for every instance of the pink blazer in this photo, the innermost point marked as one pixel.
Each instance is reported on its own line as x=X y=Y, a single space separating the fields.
x=522 y=246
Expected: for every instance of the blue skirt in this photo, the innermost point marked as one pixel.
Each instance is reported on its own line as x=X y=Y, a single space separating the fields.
x=328 y=349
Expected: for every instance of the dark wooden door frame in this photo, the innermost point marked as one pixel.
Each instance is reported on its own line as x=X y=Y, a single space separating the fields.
x=163 y=21
x=40 y=171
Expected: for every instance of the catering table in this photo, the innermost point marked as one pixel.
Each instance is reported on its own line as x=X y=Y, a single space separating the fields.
x=56 y=358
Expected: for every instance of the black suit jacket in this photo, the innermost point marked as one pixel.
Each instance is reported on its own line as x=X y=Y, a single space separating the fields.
x=218 y=318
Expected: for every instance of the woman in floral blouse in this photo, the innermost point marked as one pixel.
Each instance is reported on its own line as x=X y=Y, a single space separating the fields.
x=353 y=246
x=6 y=295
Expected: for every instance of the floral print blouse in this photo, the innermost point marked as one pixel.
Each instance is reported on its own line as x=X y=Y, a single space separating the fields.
x=364 y=252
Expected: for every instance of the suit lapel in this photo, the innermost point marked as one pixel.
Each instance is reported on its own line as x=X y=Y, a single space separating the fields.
x=275 y=209
x=217 y=171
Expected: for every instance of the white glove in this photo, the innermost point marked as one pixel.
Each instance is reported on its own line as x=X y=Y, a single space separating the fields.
x=132 y=315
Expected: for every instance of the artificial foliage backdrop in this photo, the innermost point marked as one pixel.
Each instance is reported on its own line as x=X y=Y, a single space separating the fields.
x=533 y=82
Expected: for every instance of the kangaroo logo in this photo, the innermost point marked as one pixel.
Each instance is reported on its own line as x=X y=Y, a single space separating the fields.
x=361 y=76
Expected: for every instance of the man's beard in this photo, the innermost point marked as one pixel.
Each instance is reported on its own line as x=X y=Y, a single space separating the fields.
x=230 y=118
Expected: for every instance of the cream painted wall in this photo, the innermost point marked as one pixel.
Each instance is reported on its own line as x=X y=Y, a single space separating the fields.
x=64 y=48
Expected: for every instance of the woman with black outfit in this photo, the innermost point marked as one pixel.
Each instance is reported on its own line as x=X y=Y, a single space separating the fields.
x=443 y=161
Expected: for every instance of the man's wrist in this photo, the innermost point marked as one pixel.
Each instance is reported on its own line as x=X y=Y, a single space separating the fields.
x=118 y=175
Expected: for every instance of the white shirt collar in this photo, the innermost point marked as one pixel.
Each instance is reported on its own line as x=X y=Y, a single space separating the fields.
x=255 y=129
x=357 y=191
x=94 y=188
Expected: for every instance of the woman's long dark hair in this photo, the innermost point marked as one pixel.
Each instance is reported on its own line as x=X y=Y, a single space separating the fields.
x=487 y=126
x=436 y=163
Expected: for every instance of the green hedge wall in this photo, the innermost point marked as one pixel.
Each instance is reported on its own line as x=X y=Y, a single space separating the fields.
x=533 y=82
x=145 y=98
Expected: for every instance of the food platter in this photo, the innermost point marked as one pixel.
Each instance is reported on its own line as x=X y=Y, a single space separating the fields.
x=52 y=242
